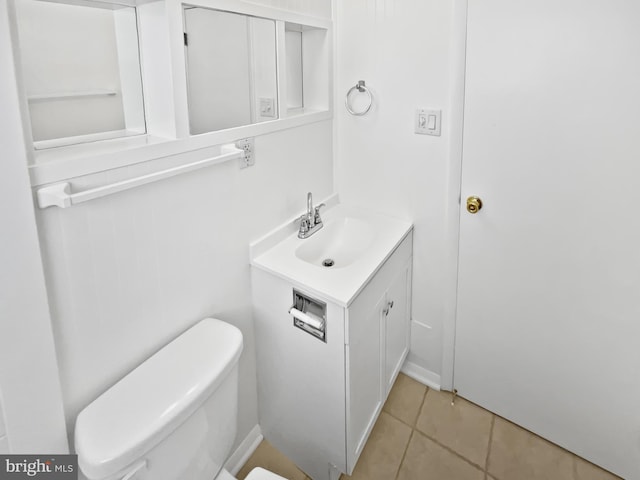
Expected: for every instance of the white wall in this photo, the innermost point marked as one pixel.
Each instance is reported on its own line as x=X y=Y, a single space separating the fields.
x=31 y=417
x=128 y=273
x=4 y=440
x=402 y=50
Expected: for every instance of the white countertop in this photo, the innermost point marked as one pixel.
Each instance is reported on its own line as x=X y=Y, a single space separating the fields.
x=340 y=284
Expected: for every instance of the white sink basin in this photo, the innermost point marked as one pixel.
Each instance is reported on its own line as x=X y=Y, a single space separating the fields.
x=357 y=240
x=338 y=243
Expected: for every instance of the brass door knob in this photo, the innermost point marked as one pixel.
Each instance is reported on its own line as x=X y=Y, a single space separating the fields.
x=474 y=204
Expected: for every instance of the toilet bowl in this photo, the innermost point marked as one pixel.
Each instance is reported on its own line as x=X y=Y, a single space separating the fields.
x=173 y=417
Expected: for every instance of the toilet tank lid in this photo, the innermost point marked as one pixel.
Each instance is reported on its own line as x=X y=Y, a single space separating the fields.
x=134 y=415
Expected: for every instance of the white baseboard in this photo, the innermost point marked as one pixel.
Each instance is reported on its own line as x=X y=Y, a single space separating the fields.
x=422 y=375
x=246 y=448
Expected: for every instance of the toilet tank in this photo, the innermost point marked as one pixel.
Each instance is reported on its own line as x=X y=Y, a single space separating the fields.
x=173 y=417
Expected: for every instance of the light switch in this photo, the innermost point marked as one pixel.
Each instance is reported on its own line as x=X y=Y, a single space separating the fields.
x=267 y=107
x=428 y=122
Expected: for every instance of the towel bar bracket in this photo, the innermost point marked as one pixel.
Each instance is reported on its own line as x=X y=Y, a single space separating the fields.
x=58 y=195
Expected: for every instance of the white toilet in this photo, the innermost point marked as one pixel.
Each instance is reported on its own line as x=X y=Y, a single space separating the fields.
x=173 y=417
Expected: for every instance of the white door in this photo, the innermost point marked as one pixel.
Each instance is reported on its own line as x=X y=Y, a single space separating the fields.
x=548 y=325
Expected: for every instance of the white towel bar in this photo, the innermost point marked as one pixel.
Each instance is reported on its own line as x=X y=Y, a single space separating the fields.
x=45 y=97
x=59 y=194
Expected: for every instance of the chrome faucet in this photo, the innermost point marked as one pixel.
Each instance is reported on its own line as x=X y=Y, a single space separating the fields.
x=309 y=205
x=310 y=222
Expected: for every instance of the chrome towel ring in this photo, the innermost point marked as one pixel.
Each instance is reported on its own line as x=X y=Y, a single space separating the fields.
x=362 y=88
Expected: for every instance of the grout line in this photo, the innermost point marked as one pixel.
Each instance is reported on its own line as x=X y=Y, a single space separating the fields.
x=404 y=455
x=484 y=470
x=399 y=419
x=411 y=426
x=424 y=399
x=438 y=442
x=486 y=462
x=450 y=450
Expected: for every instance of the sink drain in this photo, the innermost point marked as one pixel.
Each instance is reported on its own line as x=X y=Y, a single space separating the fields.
x=328 y=262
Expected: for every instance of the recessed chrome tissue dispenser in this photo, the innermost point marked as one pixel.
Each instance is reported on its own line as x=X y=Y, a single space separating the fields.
x=309 y=315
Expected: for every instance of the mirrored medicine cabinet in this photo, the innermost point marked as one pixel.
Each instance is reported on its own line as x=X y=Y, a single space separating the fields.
x=231 y=69
x=233 y=75
x=140 y=73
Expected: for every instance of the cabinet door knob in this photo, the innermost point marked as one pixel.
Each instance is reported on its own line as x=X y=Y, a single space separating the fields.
x=389 y=307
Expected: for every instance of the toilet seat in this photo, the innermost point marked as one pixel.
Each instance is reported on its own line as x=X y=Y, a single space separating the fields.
x=262 y=474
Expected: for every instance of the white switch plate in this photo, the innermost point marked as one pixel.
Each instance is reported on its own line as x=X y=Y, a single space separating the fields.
x=428 y=122
x=267 y=107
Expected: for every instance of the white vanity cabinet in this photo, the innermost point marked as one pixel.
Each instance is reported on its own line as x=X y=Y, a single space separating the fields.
x=378 y=323
x=318 y=401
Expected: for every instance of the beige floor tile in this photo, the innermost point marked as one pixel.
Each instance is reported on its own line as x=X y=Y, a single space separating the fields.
x=268 y=457
x=384 y=450
x=405 y=399
x=426 y=460
x=518 y=454
x=463 y=427
x=589 y=471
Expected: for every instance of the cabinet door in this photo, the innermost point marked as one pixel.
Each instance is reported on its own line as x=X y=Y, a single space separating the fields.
x=365 y=354
x=397 y=325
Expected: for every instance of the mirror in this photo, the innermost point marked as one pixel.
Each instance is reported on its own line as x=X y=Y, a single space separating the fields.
x=231 y=69
x=81 y=71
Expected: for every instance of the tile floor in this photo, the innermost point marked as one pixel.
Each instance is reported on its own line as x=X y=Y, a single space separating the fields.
x=420 y=436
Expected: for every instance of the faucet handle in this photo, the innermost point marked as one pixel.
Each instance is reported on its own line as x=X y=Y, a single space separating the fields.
x=304 y=226
x=317 y=218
